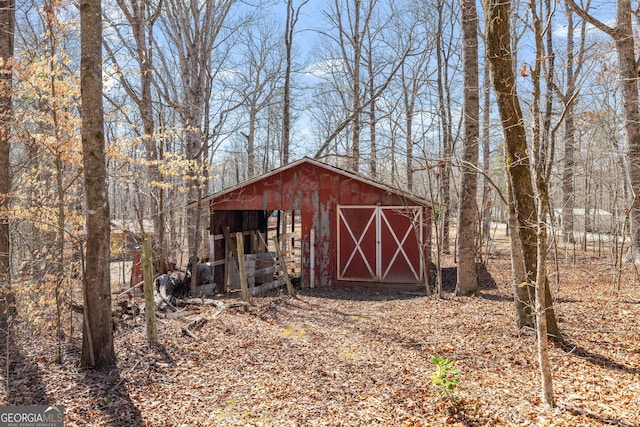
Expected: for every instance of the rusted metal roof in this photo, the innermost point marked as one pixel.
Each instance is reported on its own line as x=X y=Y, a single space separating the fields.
x=334 y=169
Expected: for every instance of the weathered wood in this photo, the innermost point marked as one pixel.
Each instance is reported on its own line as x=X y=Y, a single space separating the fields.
x=284 y=266
x=260 y=256
x=241 y=267
x=199 y=301
x=137 y=285
x=279 y=282
x=264 y=271
x=149 y=302
x=178 y=314
x=230 y=253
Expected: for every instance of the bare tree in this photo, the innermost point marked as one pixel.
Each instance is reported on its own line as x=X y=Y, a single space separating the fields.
x=414 y=79
x=444 y=51
x=350 y=19
x=625 y=41
x=195 y=29
x=260 y=73
x=141 y=17
x=467 y=279
x=529 y=214
x=97 y=342
x=293 y=14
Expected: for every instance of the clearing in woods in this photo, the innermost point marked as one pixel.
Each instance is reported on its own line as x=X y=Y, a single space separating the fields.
x=358 y=357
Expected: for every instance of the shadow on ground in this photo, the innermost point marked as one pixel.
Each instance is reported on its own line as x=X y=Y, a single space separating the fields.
x=449 y=278
x=26 y=385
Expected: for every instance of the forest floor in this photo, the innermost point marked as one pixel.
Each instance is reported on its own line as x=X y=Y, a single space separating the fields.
x=361 y=357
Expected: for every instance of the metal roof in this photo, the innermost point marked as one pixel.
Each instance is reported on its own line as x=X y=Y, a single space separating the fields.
x=307 y=160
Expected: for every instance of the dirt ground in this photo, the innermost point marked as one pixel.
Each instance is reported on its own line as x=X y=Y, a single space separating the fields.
x=361 y=357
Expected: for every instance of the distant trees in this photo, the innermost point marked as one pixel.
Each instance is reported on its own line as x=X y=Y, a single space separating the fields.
x=195 y=31
x=203 y=94
x=624 y=38
x=141 y=17
x=259 y=79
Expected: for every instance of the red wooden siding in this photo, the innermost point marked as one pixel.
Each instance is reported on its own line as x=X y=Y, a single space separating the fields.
x=316 y=190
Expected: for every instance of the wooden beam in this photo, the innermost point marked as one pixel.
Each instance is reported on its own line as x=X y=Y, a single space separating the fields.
x=246 y=297
x=284 y=266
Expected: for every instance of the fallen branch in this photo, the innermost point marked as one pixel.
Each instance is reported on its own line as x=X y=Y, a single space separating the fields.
x=76 y=307
x=197 y=323
x=199 y=301
x=177 y=315
x=137 y=285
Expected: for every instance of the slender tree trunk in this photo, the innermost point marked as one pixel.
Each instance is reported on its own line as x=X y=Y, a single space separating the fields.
x=97 y=342
x=447 y=140
x=7 y=26
x=142 y=16
x=541 y=307
x=497 y=14
x=542 y=160
x=409 y=112
x=286 y=102
x=357 y=57
x=467 y=280
x=521 y=289
x=486 y=155
x=373 y=160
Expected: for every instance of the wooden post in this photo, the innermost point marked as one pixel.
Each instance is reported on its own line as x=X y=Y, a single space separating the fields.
x=283 y=265
x=242 y=270
x=149 y=303
x=312 y=258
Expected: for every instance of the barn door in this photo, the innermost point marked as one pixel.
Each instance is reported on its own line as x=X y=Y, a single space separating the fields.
x=380 y=244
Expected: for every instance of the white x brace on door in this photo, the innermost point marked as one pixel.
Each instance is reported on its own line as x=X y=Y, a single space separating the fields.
x=380 y=243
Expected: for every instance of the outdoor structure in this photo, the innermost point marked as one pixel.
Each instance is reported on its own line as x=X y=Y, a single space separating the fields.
x=352 y=230
x=592 y=220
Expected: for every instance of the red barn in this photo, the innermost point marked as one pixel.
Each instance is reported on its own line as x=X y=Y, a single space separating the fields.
x=352 y=230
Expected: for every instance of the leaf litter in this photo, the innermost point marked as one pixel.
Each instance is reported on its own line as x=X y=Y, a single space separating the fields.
x=358 y=357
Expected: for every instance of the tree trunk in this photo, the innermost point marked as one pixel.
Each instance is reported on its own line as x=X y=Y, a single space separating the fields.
x=521 y=289
x=516 y=154
x=445 y=126
x=7 y=25
x=149 y=302
x=467 y=280
x=373 y=160
x=486 y=155
x=286 y=101
x=357 y=58
x=97 y=342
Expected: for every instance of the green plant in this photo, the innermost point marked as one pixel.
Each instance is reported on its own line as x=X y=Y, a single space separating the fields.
x=446 y=377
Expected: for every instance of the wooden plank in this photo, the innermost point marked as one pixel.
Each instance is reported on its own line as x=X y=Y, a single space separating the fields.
x=246 y=297
x=264 y=271
x=229 y=242
x=268 y=286
x=260 y=256
x=149 y=303
x=284 y=269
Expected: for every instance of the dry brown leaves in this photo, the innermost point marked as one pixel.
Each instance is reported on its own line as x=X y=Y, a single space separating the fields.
x=355 y=357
